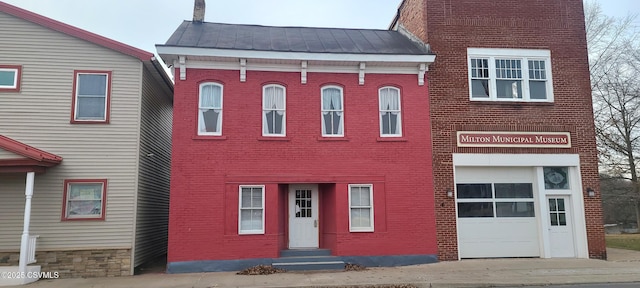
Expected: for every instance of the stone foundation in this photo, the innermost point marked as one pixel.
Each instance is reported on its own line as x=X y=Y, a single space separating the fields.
x=78 y=263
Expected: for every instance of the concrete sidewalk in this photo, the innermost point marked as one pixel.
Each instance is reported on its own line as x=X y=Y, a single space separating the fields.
x=623 y=266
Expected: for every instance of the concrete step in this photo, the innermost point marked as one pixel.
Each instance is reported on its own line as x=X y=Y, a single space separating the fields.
x=305 y=252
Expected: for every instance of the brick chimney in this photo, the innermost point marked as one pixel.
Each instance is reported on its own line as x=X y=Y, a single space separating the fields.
x=198 y=11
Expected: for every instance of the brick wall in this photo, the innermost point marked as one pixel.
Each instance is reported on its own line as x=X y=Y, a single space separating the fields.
x=206 y=173
x=80 y=263
x=452 y=26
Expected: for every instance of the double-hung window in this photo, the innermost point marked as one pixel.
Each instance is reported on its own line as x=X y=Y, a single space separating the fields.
x=10 y=78
x=361 y=208
x=91 y=97
x=84 y=199
x=251 y=216
x=210 y=109
x=390 y=112
x=332 y=112
x=274 y=110
x=510 y=75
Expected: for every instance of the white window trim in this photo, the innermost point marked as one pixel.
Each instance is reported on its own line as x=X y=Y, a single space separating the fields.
x=322 y=110
x=524 y=55
x=67 y=191
x=15 y=78
x=250 y=232
x=106 y=97
x=284 y=115
x=219 y=133
x=371 y=214
x=399 y=112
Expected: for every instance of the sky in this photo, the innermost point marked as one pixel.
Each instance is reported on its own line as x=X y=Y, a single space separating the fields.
x=145 y=23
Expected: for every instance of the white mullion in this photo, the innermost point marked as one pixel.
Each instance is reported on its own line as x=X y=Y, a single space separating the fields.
x=493 y=85
x=526 y=93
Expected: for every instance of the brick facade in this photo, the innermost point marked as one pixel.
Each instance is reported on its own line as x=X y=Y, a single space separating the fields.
x=80 y=263
x=450 y=27
x=207 y=171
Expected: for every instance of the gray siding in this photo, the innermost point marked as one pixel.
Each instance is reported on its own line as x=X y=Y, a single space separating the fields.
x=39 y=115
x=9 y=155
x=152 y=220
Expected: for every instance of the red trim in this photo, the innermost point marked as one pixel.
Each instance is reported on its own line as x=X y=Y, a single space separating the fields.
x=22 y=169
x=64 y=199
x=74 y=96
x=19 y=148
x=18 y=75
x=75 y=32
x=24 y=162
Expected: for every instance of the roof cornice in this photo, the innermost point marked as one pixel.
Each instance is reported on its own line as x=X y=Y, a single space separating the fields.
x=175 y=51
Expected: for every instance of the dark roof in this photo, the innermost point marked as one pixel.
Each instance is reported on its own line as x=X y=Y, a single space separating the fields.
x=293 y=39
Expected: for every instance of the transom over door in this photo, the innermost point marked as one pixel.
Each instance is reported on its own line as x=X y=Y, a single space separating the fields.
x=303 y=216
x=560 y=227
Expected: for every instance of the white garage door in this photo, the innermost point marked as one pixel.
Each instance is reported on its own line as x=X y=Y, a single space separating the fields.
x=496 y=212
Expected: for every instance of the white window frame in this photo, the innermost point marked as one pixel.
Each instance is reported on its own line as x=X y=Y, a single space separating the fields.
x=250 y=232
x=322 y=110
x=371 y=214
x=265 y=111
x=200 y=108
x=16 y=75
x=107 y=97
x=524 y=56
x=67 y=199
x=399 y=111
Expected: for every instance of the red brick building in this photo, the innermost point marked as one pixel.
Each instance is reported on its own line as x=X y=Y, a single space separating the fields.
x=509 y=71
x=300 y=139
x=293 y=141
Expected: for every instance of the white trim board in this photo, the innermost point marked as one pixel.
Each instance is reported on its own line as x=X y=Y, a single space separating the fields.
x=516 y=159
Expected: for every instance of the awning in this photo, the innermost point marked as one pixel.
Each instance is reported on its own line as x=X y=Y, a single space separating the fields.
x=16 y=156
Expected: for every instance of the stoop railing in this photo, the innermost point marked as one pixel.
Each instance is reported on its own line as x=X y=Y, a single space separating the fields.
x=31 y=249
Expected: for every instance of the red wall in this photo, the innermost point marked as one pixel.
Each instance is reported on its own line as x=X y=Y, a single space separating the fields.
x=206 y=171
x=450 y=27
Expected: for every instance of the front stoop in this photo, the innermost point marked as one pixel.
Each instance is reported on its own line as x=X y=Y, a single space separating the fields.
x=308 y=259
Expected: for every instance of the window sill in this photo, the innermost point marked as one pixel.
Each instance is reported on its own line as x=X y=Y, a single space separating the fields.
x=330 y=139
x=208 y=137
x=267 y=138
x=392 y=139
x=362 y=231
x=101 y=219
x=89 y=122
x=519 y=103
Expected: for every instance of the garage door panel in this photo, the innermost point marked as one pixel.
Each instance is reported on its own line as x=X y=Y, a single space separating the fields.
x=498 y=237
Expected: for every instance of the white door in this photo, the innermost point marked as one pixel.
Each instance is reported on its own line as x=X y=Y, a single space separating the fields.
x=560 y=227
x=303 y=216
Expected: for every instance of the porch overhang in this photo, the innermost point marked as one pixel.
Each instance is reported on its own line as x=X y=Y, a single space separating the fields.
x=20 y=157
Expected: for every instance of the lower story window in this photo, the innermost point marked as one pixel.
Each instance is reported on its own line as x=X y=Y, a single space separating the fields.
x=251 y=215
x=361 y=208
x=84 y=199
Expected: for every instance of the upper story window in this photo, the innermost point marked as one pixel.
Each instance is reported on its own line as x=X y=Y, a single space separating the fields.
x=10 y=78
x=332 y=112
x=210 y=109
x=91 y=97
x=390 y=112
x=510 y=75
x=274 y=110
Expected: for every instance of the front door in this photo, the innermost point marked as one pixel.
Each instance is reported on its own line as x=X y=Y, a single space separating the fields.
x=560 y=227
x=303 y=216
